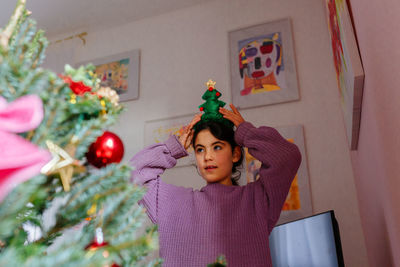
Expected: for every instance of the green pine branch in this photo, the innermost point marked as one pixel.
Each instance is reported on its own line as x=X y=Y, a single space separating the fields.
x=102 y=197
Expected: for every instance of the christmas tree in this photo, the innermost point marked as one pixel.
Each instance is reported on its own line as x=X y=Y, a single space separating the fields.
x=65 y=200
x=221 y=262
x=212 y=105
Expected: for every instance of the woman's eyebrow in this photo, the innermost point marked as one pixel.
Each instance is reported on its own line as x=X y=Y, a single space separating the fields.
x=215 y=143
x=218 y=142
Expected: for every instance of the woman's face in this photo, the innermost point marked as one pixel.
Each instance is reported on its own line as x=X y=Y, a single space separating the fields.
x=215 y=158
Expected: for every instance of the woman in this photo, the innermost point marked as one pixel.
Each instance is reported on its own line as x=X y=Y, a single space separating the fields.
x=196 y=226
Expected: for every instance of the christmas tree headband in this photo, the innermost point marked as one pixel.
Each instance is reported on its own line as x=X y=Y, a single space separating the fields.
x=212 y=105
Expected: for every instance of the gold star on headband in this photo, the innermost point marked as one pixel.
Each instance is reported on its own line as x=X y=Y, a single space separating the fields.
x=211 y=84
x=61 y=162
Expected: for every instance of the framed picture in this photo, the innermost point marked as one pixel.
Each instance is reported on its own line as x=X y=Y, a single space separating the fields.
x=348 y=67
x=120 y=72
x=158 y=131
x=298 y=202
x=262 y=65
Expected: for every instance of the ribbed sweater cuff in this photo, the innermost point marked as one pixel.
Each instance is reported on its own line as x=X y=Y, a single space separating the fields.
x=175 y=147
x=241 y=132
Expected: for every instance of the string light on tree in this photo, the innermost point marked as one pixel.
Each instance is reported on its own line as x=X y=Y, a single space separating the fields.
x=98 y=243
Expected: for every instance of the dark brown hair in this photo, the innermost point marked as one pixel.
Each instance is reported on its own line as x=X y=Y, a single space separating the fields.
x=224 y=133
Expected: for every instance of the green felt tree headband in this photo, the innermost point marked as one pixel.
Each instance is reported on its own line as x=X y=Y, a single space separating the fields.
x=212 y=105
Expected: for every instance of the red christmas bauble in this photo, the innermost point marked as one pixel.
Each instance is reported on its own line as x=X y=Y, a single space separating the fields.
x=217 y=94
x=210 y=89
x=107 y=149
x=201 y=109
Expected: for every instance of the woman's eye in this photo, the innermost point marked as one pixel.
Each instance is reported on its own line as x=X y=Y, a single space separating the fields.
x=199 y=150
x=217 y=147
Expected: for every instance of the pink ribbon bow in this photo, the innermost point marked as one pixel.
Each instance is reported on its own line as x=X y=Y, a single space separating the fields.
x=20 y=160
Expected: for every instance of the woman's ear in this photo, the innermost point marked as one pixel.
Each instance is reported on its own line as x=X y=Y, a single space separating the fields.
x=237 y=153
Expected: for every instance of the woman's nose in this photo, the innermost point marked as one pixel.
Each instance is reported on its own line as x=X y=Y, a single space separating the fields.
x=208 y=155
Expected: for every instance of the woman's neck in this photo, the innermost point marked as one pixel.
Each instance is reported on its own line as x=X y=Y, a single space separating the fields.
x=224 y=182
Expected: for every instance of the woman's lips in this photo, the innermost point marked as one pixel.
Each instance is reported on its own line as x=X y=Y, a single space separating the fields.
x=210 y=168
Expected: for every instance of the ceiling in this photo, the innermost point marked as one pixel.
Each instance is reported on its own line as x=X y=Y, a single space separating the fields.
x=69 y=16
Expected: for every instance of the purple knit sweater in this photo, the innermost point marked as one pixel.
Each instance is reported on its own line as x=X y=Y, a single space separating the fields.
x=195 y=226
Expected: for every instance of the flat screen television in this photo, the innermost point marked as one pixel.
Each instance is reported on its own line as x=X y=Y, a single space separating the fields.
x=308 y=242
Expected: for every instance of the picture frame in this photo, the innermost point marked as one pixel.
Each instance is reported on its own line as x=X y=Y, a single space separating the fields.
x=298 y=202
x=158 y=131
x=119 y=72
x=348 y=67
x=262 y=64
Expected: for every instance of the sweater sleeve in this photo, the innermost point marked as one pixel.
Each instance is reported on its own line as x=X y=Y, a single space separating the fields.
x=280 y=161
x=148 y=165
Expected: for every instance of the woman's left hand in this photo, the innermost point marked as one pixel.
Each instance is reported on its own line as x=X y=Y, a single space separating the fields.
x=234 y=115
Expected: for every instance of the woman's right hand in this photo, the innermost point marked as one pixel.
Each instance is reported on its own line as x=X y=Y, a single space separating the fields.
x=186 y=138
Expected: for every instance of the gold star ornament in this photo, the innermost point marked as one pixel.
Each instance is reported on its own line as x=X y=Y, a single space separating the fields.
x=62 y=163
x=211 y=84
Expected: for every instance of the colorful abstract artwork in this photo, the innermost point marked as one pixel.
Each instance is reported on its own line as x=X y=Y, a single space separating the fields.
x=158 y=131
x=298 y=201
x=114 y=75
x=262 y=65
x=119 y=72
x=348 y=67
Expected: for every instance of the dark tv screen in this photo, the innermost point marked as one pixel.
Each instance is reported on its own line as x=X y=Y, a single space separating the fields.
x=308 y=242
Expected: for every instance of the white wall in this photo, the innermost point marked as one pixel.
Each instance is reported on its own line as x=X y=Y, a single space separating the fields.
x=377 y=161
x=181 y=50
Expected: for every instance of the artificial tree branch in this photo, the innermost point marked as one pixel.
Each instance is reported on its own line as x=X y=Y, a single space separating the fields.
x=5 y=35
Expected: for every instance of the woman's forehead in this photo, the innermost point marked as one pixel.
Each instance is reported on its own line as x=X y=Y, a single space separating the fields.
x=205 y=137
